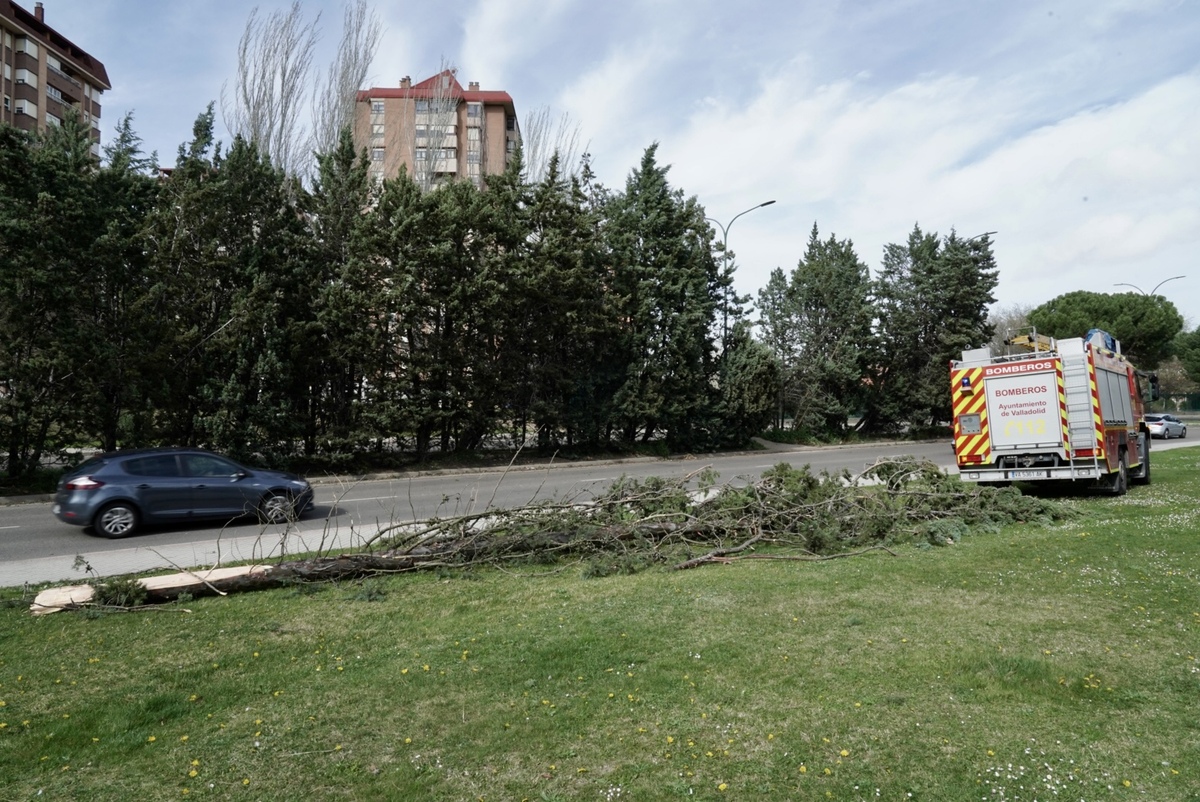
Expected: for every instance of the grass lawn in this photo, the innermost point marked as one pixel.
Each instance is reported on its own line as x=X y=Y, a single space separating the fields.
x=1033 y=663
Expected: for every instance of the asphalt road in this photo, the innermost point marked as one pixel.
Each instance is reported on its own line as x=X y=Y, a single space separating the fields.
x=36 y=547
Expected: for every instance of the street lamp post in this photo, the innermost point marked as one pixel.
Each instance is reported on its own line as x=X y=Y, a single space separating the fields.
x=1156 y=286
x=725 y=262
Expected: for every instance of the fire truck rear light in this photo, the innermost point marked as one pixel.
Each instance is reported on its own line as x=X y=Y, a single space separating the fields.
x=84 y=483
x=1085 y=452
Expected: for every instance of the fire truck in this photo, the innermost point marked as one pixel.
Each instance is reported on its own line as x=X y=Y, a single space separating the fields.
x=1067 y=410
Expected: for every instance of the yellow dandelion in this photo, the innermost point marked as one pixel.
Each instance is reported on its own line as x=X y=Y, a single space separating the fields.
x=1126 y=783
x=723 y=786
x=196 y=762
x=670 y=739
x=404 y=671
x=193 y=773
x=803 y=769
x=408 y=740
x=151 y=739
x=844 y=753
x=183 y=738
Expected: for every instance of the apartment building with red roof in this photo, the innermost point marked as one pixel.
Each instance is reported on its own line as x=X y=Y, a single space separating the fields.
x=436 y=130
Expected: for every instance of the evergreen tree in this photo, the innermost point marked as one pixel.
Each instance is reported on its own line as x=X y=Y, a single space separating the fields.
x=1145 y=324
x=561 y=317
x=49 y=218
x=931 y=300
x=749 y=388
x=119 y=374
x=667 y=288
x=234 y=286
x=344 y=292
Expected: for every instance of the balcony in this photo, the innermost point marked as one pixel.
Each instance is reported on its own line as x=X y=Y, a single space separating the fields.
x=71 y=90
x=57 y=71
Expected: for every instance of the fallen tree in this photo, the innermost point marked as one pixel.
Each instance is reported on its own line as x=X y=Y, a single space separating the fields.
x=788 y=513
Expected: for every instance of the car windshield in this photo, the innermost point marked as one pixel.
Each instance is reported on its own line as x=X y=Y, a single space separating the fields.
x=1154 y=418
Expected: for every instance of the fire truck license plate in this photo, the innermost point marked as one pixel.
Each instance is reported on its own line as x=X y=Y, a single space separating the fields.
x=1027 y=474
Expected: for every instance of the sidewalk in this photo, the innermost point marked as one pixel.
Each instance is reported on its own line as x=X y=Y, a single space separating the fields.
x=272 y=543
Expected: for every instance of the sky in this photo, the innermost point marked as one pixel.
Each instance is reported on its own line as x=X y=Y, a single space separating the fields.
x=1069 y=128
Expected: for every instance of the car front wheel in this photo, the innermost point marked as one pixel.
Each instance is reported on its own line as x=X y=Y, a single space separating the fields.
x=119 y=519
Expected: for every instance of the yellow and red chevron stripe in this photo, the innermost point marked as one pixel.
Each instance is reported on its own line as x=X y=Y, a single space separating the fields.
x=1096 y=405
x=1062 y=407
x=968 y=398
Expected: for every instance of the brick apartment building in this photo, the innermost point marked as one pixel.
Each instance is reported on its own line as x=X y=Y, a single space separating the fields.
x=45 y=74
x=436 y=129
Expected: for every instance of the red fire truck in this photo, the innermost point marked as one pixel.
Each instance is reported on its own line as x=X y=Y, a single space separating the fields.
x=1067 y=410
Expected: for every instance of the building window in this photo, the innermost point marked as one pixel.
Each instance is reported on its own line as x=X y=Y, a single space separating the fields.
x=472 y=134
x=472 y=157
x=377 y=130
x=474 y=109
x=8 y=72
x=422 y=106
x=7 y=102
x=52 y=91
x=512 y=122
x=377 y=154
x=422 y=131
x=52 y=120
x=377 y=107
x=24 y=45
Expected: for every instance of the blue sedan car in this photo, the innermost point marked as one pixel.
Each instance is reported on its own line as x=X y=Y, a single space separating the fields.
x=115 y=493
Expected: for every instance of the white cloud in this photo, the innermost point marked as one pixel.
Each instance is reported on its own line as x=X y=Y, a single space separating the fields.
x=499 y=32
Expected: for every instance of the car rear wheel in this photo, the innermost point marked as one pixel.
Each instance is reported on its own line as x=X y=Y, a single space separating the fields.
x=277 y=508
x=119 y=519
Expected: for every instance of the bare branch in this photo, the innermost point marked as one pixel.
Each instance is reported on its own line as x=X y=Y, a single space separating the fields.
x=334 y=99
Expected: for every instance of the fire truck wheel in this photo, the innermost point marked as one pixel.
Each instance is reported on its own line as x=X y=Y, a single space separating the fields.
x=1142 y=477
x=1118 y=483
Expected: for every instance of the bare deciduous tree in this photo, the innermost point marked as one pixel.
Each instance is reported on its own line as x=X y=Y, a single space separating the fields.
x=542 y=136
x=436 y=110
x=274 y=62
x=333 y=100
x=1008 y=321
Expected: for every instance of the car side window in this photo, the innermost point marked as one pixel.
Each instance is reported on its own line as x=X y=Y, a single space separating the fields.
x=207 y=465
x=156 y=465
